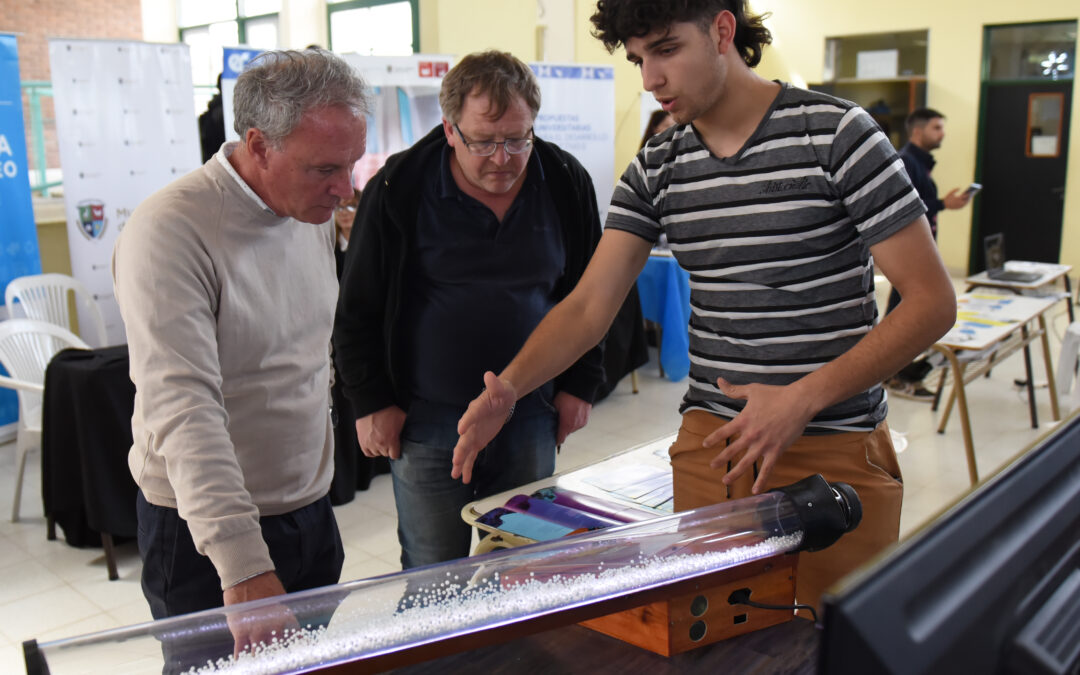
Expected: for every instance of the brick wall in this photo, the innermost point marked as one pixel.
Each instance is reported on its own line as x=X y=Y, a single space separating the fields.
x=35 y=21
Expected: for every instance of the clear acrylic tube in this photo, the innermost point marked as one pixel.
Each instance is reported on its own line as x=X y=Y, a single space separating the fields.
x=376 y=617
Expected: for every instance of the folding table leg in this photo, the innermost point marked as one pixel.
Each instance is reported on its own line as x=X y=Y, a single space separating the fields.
x=110 y=555
x=1055 y=407
x=959 y=395
x=1030 y=380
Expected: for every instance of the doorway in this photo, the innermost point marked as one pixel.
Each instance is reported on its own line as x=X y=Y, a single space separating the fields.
x=1026 y=102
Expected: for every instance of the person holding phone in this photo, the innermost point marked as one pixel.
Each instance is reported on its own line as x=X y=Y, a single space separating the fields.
x=926 y=131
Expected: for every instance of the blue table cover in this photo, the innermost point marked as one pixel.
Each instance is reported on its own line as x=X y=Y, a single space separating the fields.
x=665 y=299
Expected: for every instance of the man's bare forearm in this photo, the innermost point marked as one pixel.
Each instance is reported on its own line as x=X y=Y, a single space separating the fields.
x=580 y=321
x=926 y=312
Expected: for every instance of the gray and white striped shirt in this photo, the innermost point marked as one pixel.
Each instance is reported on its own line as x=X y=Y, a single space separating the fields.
x=776 y=240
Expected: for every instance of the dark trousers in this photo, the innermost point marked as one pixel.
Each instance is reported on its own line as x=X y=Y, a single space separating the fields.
x=304 y=544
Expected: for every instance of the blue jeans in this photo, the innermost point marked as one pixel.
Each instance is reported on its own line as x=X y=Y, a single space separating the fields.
x=429 y=501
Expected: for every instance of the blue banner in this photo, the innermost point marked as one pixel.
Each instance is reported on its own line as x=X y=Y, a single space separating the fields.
x=18 y=234
x=236 y=60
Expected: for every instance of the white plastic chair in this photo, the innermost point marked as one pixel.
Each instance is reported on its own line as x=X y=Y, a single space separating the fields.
x=1066 y=371
x=45 y=297
x=26 y=347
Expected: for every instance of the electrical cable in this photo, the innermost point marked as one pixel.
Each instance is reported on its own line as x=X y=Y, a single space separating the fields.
x=742 y=597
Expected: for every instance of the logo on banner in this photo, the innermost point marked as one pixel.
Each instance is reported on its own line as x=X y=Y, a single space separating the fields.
x=8 y=167
x=237 y=61
x=432 y=68
x=92 y=218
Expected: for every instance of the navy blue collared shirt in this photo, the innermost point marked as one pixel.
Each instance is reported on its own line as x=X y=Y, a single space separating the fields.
x=477 y=287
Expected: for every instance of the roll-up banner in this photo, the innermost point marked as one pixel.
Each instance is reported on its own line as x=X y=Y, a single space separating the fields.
x=126 y=125
x=18 y=235
x=406 y=107
x=649 y=105
x=577 y=113
x=236 y=59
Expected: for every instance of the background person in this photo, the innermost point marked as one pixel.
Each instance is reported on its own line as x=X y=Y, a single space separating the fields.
x=926 y=131
x=226 y=286
x=659 y=120
x=463 y=242
x=352 y=469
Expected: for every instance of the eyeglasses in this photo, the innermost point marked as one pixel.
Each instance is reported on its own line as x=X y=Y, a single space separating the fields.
x=513 y=146
x=346 y=207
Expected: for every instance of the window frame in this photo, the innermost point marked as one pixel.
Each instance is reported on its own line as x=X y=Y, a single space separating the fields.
x=241 y=24
x=414 y=7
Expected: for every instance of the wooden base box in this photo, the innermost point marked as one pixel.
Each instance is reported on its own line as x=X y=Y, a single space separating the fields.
x=705 y=616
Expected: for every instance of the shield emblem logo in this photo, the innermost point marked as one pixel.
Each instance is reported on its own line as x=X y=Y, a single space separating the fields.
x=92 y=218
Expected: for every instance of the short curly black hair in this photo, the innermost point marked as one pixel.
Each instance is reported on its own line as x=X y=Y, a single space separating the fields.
x=615 y=21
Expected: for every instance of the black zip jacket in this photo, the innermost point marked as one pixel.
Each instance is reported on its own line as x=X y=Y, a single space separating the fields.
x=367 y=329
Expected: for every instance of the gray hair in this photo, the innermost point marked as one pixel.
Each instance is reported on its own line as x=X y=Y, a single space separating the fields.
x=275 y=91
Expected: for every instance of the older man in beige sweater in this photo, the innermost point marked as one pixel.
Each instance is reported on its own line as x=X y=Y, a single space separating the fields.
x=226 y=284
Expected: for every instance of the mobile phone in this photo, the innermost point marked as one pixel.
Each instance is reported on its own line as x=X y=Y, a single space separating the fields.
x=972 y=189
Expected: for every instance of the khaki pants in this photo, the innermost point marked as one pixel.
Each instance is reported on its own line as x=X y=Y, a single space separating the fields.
x=865 y=460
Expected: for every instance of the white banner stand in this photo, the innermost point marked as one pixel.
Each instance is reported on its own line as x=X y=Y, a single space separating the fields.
x=126 y=126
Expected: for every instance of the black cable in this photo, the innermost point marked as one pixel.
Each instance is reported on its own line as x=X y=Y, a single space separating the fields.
x=742 y=597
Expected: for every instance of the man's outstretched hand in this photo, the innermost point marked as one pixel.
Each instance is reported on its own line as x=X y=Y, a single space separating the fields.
x=483 y=419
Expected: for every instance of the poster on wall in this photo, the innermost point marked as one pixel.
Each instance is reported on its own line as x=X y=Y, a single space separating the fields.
x=126 y=127
x=406 y=105
x=236 y=59
x=19 y=254
x=577 y=113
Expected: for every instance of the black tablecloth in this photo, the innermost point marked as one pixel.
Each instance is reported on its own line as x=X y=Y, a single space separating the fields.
x=86 y=434
x=625 y=348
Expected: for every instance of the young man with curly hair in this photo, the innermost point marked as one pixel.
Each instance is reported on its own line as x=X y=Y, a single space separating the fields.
x=780 y=202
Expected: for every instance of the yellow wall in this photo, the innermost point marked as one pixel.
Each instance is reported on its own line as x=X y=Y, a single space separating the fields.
x=462 y=26
x=954 y=60
x=52 y=235
x=627 y=85
x=797 y=55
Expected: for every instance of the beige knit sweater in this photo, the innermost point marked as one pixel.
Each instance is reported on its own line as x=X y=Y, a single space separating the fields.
x=228 y=310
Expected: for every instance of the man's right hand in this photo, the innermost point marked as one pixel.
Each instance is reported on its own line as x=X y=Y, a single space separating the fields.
x=379 y=433
x=481 y=422
x=257 y=626
x=956 y=199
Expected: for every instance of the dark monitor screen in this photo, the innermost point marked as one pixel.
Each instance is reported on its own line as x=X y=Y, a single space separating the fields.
x=991 y=586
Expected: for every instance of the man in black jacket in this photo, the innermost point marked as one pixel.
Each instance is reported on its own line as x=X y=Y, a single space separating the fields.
x=461 y=245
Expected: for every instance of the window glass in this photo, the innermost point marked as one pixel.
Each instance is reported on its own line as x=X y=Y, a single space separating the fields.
x=384 y=30
x=1042 y=51
x=875 y=56
x=196 y=12
x=262 y=33
x=257 y=7
x=205 y=44
x=1044 y=125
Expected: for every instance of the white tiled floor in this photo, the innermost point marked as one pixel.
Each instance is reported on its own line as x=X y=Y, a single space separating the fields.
x=49 y=590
